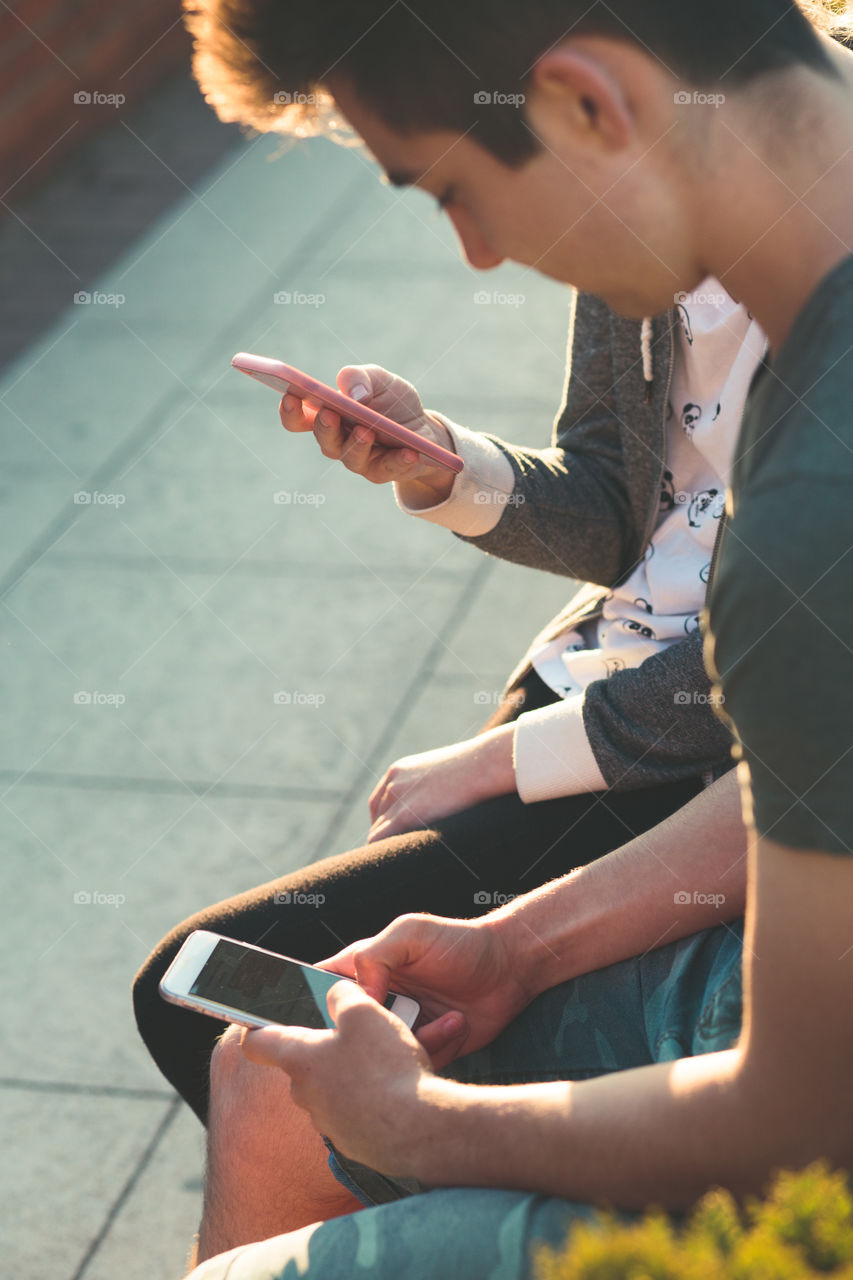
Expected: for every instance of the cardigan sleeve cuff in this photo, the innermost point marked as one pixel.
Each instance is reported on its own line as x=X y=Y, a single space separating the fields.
x=480 y=491
x=552 y=755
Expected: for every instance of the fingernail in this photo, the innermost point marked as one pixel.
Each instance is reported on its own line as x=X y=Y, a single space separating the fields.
x=361 y=435
x=359 y=392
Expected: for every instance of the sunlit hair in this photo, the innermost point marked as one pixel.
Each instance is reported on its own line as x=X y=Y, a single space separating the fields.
x=833 y=17
x=431 y=64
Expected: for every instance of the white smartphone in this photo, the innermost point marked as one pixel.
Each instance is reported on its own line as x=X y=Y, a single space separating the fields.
x=236 y=982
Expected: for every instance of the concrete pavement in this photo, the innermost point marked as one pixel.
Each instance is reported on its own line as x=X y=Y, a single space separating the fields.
x=156 y=598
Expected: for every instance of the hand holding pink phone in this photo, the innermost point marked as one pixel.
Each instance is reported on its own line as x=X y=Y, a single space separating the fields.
x=382 y=452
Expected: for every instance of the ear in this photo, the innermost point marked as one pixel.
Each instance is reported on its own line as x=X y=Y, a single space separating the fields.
x=580 y=92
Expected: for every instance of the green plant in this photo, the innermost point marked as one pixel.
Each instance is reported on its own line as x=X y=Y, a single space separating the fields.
x=803 y=1229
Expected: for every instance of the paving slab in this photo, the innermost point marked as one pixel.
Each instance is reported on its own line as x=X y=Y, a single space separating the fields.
x=91 y=880
x=468 y=677
x=104 y=379
x=55 y=1203
x=440 y=333
x=100 y=199
x=494 y=636
x=159 y=676
x=166 y=1223
x=214 y=491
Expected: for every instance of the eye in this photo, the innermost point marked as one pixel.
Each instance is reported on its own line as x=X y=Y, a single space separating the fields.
x=446 y=198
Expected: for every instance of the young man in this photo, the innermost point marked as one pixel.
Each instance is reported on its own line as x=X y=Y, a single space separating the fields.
x=640 y=122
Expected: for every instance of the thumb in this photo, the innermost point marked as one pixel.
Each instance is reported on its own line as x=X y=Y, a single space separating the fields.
x=355 y=962
x=279 y=1046
x=387 y=392
x=355 y=382
x=346 y=995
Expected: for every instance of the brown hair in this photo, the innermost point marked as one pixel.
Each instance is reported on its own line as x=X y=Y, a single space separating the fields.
x=460 y=64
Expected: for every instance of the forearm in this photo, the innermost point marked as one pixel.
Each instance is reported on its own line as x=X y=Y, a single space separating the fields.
x=660 y=1134
x=558 y=509
x=685 y=874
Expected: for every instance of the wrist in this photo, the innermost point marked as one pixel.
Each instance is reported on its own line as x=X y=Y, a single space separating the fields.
x=536 y=931
x=480 y=1136
x=426 y=490
x=492 y=754
x=441 y=1108
x=434 y=484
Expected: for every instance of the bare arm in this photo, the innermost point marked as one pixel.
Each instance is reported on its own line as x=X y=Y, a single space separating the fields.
x=666 y=1133
x=621 y=905
x=685 y=874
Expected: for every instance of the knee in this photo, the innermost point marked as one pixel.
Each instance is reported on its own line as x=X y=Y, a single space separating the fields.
x=148 y=1005
x=243 y=1099
x=227 y=1063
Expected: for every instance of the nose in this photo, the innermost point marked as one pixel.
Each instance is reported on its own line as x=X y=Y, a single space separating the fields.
x=475 y=247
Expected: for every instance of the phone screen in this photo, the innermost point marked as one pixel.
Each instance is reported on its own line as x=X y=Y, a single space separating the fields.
x=267 y=986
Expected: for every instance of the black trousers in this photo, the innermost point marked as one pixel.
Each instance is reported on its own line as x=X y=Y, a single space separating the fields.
x=462 y=866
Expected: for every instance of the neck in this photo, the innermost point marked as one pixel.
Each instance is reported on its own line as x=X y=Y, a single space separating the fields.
x=770 y=248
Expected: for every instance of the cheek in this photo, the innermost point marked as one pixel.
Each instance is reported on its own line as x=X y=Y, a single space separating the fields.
x=550 y=222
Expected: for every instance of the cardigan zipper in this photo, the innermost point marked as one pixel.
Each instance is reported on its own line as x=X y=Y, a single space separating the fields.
x=654 y=506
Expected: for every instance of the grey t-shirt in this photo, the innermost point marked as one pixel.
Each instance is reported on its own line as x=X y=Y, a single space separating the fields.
x=780 y=608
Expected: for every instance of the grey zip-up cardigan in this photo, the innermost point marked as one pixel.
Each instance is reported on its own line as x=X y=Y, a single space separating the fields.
x=590 y=505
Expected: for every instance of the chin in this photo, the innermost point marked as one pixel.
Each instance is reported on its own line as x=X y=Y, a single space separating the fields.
x=623 y=302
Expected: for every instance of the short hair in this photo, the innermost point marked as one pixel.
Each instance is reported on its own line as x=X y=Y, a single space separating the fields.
x=460 y=65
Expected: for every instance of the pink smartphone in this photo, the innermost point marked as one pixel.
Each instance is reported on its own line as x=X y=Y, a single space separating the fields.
x=286 y=380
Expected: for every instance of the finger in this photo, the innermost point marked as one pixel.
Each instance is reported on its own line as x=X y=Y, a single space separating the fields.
x=398 y=818
x=381 y=829
x=342 y=962
x=391 y=464
x=355 y=962
x=443 y=1039
x=331 y=436
x=372 y=975
x=284 y=1047
x=341 y=966
x=346 y=963
x=374 y=802
x=292 y=414
x=356 y=449
x=389 y=394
